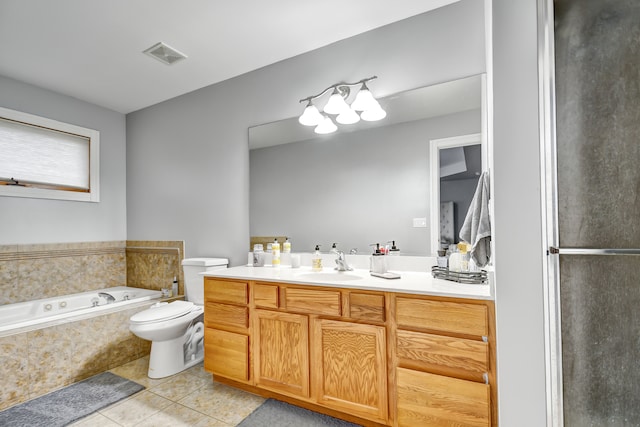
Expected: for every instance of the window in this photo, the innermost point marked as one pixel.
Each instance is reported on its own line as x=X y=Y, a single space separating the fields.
x=44 y=158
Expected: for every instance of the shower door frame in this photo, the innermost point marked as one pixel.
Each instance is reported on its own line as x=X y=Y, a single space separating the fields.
x=549 y=186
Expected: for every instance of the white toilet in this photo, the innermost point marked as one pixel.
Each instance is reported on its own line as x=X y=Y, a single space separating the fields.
x=176 y=330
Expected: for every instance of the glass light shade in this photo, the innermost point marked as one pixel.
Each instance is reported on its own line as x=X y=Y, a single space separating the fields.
x=364 y=100
x=326 y=126
x=311 y=116
x=348 y=117
x=374 y=114
x=336 y=103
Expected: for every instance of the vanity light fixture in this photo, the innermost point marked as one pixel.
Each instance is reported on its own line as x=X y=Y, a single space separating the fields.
x=364 y=103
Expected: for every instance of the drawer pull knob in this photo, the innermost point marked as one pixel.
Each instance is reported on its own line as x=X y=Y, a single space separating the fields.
x=485 y=338
x=485 y=377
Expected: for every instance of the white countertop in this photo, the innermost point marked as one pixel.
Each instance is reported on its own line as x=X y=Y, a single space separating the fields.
x=412 y=282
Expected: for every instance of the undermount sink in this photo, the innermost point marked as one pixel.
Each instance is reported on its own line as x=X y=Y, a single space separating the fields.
x=337 y=276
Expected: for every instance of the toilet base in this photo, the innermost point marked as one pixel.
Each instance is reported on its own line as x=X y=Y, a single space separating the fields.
x=172 y=356
x=166 y=361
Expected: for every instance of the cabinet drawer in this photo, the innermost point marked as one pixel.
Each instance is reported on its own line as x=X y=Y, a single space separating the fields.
x=315 y=301
x=265 y=296
x=453 y=317
x=457 y=357
x=366 y=306
x=226 y=354
x=433 y=400
x=225 y=291
x=226 y=316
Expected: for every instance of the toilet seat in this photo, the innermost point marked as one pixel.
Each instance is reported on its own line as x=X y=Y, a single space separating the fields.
x=165 y=312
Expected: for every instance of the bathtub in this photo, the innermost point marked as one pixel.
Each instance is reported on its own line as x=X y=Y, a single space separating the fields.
x=42 y=311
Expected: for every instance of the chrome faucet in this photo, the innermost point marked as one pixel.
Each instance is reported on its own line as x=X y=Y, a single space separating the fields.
x=107 y=296
x=341 y=261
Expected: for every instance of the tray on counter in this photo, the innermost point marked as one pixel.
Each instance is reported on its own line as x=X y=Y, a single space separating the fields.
x=472 y=277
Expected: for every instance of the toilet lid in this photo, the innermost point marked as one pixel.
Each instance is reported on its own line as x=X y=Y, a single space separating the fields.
x=164 y=312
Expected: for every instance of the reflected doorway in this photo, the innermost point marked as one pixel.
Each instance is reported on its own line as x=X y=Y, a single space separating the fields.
x=460 y=169
x=456 y=166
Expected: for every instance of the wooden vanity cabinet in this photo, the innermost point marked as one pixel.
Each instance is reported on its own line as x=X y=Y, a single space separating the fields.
x=305 y=347
x=226 y=334
x=374 y=358
x=444 y=364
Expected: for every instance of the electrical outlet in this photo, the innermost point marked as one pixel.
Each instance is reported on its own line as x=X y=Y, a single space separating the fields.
x=419 y=222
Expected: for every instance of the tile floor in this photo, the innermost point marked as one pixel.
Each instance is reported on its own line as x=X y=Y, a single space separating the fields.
x=189 y=398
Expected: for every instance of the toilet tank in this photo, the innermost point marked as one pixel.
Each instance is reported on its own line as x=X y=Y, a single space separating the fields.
x=194 y=281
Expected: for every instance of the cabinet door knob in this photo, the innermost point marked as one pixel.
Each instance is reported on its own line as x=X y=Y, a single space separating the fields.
x=485 y=377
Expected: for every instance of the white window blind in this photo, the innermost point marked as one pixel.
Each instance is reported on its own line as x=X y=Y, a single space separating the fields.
x=35 y=155
x=43 y=158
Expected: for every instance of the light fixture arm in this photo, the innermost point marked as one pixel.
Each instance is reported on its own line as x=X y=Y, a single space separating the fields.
x=343 y=88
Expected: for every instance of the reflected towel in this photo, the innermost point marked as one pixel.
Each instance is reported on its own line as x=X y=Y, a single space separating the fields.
x=476 y=229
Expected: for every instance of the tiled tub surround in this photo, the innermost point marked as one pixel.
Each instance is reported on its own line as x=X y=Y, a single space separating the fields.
x=39 y=361
x=154 y=264
x=29 y=272
x=35 y=362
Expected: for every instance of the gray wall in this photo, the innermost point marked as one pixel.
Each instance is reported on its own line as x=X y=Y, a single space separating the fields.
x=187 y=158
x=518 y=231
x=353 y=188
x=25 y=221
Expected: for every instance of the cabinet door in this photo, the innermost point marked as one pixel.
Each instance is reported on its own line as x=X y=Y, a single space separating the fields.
x=433 y=400
x=281 y=352
x=350 y=368
x=226 y=354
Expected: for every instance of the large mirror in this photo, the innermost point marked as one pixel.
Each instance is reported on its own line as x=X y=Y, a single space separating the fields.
x=366 y=183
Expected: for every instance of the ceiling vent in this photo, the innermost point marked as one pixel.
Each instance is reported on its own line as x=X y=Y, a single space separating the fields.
x=165 y=54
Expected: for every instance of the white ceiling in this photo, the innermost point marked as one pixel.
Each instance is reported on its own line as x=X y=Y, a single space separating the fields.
x=92 y=49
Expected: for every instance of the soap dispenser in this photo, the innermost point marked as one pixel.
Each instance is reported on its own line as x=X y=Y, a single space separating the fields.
x=378 y=263
x=275 y=253
x=316 y=260
x=286 y=246
x=394 y=249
